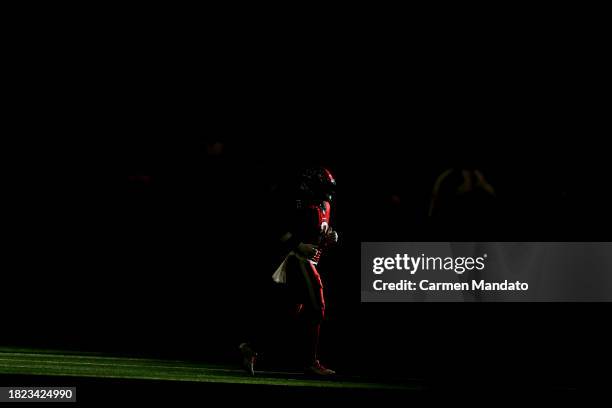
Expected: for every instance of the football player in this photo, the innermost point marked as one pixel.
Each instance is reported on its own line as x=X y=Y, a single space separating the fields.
x=309 y=236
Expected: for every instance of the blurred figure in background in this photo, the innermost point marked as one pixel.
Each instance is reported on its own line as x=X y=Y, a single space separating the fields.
x=463 y=203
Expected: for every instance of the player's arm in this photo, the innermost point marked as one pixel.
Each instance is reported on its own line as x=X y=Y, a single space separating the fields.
x=330 y=239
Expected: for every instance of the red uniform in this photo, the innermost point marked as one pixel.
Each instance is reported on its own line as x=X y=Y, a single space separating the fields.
x=303 y=277
x=310 y=234
x=313 y=227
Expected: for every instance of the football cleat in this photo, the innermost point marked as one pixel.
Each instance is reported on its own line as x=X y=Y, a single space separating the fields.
x=319 y=370
x=249 y=358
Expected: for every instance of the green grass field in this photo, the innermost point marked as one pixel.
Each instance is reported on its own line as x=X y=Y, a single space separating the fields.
x=49 y=363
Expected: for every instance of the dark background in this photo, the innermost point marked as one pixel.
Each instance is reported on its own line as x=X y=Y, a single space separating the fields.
x=173 y=264
x=178 y=264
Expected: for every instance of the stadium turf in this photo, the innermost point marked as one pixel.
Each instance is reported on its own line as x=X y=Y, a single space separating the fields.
x=48 y=363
